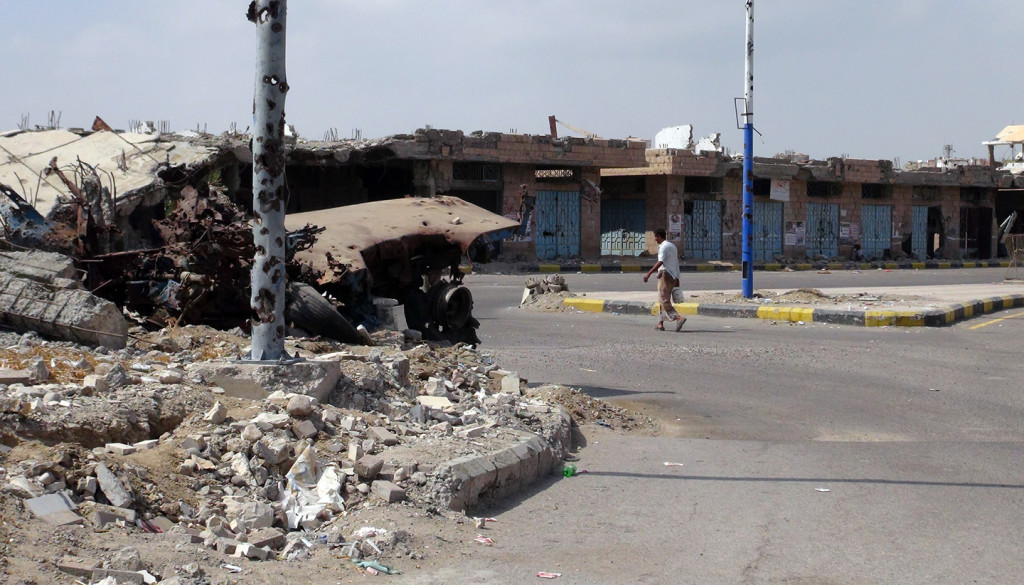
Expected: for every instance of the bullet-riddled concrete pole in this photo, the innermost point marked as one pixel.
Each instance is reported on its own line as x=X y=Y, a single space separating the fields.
x=270 y=193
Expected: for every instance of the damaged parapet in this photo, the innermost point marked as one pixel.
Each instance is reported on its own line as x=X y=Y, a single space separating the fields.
x=38 y=292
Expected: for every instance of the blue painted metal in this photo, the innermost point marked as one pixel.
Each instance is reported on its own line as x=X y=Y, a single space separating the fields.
x=558 y=224
x=623 y=227
x=703 y=238
x=747 y=256
x=919 y=232
x=876 y=231
x=767 y=230
x=822 y=233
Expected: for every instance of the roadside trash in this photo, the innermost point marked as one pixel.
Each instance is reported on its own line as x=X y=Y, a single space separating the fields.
x=546 y=575
x=569 y=470
x=822 y=490
x=670 y=464
x=479 y=522
x=231 y=568
x=601 y=423
x=483 y=539
x=373 y=567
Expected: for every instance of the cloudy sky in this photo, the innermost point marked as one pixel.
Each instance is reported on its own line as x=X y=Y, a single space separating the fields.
x=865 y=78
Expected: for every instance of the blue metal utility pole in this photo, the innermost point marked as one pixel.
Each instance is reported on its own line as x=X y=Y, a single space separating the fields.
x=748 y=160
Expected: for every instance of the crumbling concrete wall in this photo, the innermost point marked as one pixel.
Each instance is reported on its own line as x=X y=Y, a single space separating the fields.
x=66 y=313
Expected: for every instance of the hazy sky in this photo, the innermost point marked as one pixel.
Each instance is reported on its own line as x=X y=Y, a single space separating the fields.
x=864 y=78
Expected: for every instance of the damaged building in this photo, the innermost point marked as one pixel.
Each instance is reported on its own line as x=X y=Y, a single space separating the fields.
x=836 y=209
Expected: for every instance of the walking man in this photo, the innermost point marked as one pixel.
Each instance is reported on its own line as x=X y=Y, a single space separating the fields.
x=667 y=268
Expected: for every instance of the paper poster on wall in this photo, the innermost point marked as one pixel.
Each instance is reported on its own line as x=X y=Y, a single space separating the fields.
x=780 y=190
x=675 y=226
x=844 y=233
x=795 y=234
x=854 y=233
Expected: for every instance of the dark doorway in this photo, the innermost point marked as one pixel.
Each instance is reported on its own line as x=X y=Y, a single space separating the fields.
x=976 y=232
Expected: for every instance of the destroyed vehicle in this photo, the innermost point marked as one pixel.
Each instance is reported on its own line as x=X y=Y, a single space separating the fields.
x=406 y=249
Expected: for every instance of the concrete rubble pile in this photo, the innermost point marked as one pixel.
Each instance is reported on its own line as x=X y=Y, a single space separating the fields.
x=139 y=440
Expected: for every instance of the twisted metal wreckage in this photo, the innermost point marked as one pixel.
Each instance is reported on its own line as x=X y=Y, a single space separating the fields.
x=185 y=257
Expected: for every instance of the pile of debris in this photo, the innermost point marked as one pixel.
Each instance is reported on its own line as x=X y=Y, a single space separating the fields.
x=141 y=441
x=545 y=293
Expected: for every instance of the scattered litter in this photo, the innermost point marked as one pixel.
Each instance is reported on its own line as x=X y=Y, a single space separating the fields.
x=546 y=575
x=601 y=423
x=231 y=568
x=670 y=464
x=822 y=490
x=588 y=370
x=373 y=567
x=483 y=539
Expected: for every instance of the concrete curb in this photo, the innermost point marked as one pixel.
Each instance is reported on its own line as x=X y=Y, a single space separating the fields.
x=510 y=470
x=766 y=267
x=946 y=315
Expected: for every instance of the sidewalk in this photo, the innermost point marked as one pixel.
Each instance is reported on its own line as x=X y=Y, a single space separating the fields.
x=928 y=306
x=642 y=264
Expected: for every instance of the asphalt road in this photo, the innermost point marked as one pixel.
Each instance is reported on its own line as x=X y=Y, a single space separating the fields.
x=805 y=454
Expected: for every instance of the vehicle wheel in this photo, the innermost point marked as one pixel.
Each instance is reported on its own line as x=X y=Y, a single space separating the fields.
x=307 y=309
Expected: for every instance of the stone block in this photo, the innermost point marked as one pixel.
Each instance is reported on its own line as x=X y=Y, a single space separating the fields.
x=471 y=432
x=112 y=487
x=368 y=466
x=56 y=509
x=119 y=448
x=510 y=384
x=387 y=491
x=267 y=538
x=120 y=577
x=9 y=376
x=251 y=551
x=304 y=429
x=315 y=378
x=146 y=445
x=383 y=435
x=440 y=402
x=78 y=566
x=103 y=515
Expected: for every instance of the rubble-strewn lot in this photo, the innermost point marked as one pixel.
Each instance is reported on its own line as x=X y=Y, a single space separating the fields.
x=129 y=466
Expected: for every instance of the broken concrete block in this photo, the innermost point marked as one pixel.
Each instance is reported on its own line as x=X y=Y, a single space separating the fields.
x=368 y=466
x=510 y=384
x=300 y=405
x=383 y=435
x=8 y=376
x=315 y=377
x=87 y=485
x=435 y=387
x=21 y=487
x=119 y=448
x=193 y=443
x=162 y=524
x=170 y=376
x=146 y=445
x=126 y=559
x=103 y=515
x=471 y=432
x=39 y=371
x=112 y=487
x=251 y=551
x=304 y=429
x=440 y=402
x=418 y=414
x=217 y=414
x=120 y=577
x=118 y=377
x=268 y=421
x=56 y=509
x=387 y=491
x=355 y=450
x=271 y=538
x=78 y=566
x=248 y=515
x=273 y=450
x=226 y=546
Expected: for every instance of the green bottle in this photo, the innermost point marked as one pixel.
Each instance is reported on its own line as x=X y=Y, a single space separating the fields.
x=569 y=470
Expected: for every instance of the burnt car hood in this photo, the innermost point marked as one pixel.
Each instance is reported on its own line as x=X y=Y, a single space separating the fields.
x=380 y=239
